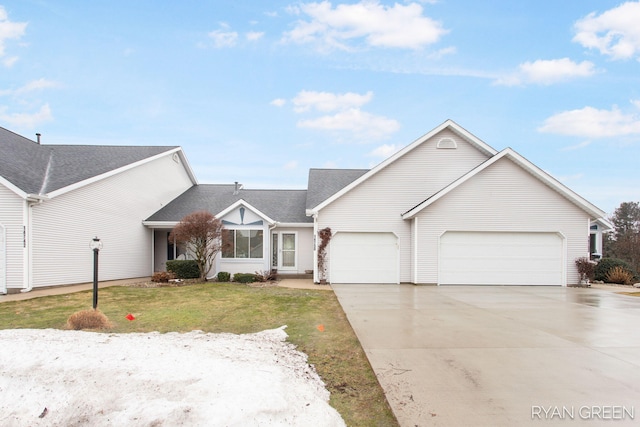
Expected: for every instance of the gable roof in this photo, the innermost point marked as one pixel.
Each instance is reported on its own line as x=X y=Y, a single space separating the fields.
x=283 y=206
x=525 y=164
x=42 y=169
x=449 y=125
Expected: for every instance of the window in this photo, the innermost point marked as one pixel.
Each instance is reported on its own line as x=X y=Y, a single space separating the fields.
x=242 y=243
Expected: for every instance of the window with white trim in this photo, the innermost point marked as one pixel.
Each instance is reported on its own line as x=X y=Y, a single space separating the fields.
x=242 y=244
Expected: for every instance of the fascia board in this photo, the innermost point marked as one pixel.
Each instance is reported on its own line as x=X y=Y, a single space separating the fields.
x=160 y=224
x=450 y=124
x=294 y=225
x=12 y=187
x=187 y=165
x=242 y=202
x=113 y=172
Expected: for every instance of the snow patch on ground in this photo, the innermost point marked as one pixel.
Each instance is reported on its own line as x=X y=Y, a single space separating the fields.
x=153 y=379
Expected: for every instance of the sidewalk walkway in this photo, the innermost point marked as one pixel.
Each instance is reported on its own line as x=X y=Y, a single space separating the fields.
x=61 y=290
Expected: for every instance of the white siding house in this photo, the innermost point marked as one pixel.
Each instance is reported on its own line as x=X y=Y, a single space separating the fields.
x=55 y=198
x=449 y=209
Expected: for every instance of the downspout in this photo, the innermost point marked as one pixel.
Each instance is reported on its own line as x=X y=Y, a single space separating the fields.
x=31 y=201
x=316 y=278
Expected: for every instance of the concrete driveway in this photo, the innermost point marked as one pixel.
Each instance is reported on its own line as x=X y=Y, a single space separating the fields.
x=456 y=356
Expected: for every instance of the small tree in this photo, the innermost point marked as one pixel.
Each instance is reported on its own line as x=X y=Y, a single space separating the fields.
x=624 y=243
x=201 y=234
x=325 y=236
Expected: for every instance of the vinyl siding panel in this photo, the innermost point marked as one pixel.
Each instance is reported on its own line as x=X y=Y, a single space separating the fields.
x=376 y=204
x=12 y=209
x=112 y=209
x=503 y=197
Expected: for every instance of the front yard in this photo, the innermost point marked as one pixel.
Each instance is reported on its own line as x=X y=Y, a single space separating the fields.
x=315 y=323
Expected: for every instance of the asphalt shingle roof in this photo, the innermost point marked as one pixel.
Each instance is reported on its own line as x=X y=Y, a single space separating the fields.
x=324 y=183
x=40 y=169
x=286 y=206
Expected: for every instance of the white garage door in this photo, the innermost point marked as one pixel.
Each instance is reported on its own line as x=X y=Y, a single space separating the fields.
x=480 y=258
x=364 y=258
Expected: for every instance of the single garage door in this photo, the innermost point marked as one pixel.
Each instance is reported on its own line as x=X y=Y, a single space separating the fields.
x=364 y=258
x=501 y=258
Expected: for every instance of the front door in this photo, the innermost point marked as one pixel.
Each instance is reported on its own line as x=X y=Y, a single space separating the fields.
x=284 y=247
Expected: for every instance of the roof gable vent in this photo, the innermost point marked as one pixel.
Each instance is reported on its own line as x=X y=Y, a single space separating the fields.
x=447 y=143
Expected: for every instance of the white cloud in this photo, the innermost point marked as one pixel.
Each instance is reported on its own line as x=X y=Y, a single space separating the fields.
x=9 y=30
x=385 y=151
x=615 y=33
x=546 y=72
x=223 y=37
x=26 y=120
x=278 y=102
x=293 y=164
x=326 y=101
x=30 y=87
x=362 y=124
x=397 y=26
x=592 y=123
x=579 y=146
x=254 y=35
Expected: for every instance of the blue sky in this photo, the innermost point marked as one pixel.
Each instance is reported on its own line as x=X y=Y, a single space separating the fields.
x=259 y=92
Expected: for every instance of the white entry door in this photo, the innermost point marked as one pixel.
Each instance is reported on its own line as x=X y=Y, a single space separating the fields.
x=3 y=260
x=285 y=251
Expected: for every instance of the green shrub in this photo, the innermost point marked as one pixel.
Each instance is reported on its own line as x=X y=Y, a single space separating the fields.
x=184 y=268
x=606 y=264
x=244 y=277
x=223 y=276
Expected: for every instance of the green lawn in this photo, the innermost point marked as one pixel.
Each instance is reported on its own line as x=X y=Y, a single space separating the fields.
x=225 y=307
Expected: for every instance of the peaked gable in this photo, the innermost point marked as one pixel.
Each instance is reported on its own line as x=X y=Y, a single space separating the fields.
x=448 y=125
x=527 y=166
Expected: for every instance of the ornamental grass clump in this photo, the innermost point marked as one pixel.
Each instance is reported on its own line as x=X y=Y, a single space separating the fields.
x=88 y=319
x=619 y=275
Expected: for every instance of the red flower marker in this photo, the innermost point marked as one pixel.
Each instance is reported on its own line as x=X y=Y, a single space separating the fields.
x=130 y=317
x=320 y=328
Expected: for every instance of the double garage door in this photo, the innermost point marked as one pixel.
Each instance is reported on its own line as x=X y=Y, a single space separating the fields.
x=364 y=258
x=464 y=258
x=501 y=258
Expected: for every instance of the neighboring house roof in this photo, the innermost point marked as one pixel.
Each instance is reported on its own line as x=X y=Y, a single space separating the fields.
x=41 y=169
x=449 y=124
x=529 y=167
x=283 y=206
x=324 y=183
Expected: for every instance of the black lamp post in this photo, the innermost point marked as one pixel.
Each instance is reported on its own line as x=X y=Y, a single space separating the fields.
x=96 y=245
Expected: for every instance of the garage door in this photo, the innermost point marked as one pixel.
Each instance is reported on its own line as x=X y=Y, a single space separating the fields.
x=364 y=258
x=480 y=258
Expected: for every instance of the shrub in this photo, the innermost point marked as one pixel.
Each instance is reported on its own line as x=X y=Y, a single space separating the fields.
x=586 y=268
x=223 y=276
x=162 y=276
x=88 y=319
x=265 y=276
x=244 y=277
x=619 y=274
x=607 y=264
x=184 y=268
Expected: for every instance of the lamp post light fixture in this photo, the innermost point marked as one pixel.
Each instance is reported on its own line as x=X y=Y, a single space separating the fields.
x=96 y=245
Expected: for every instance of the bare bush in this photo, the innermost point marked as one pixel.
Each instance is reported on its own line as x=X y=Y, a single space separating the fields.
x=619 y=275
x=88 y=319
